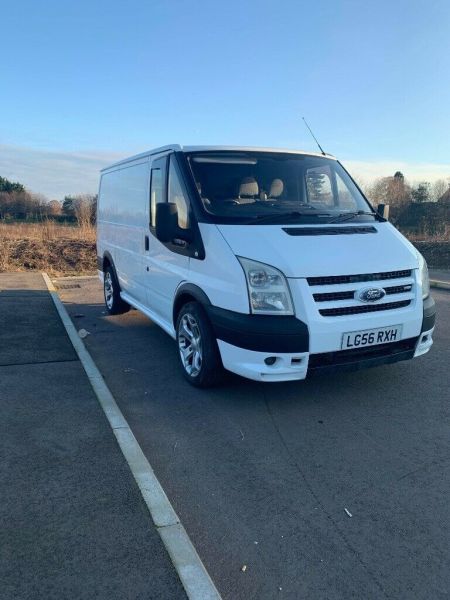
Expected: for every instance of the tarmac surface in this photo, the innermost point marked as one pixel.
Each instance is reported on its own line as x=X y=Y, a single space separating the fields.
x=440 y=274
x=73 y=523
x=333 y=487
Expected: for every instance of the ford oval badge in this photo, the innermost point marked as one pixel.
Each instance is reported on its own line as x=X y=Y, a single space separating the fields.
x=371 y=294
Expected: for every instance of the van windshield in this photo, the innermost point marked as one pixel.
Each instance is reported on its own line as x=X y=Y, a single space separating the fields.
x=267 y=187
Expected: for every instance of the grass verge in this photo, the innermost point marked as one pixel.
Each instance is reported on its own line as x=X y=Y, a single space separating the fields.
x=57 y=249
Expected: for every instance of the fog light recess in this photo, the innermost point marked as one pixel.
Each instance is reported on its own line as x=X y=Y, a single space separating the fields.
x=270 y=360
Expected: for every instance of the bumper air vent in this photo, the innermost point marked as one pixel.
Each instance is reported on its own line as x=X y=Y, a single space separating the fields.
x=348 y=357
x=297 y=231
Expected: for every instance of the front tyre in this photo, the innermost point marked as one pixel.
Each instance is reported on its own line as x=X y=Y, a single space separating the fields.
x=111 y=291
x=197 y=347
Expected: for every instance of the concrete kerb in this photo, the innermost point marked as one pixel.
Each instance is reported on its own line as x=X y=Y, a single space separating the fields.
x=193 y=574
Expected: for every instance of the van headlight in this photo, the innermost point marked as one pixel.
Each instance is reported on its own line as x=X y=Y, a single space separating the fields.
x=268 y=289
x=424 y=278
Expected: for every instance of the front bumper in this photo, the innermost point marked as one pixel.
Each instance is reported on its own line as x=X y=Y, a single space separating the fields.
x=259 y=333
x=246 y=341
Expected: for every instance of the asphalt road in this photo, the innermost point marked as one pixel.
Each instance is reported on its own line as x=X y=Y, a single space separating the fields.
x=262 y=474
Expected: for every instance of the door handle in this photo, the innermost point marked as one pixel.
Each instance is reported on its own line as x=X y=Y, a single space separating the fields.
x=147 y=242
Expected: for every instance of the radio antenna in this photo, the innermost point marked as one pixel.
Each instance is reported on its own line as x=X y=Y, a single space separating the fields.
x=315 y=139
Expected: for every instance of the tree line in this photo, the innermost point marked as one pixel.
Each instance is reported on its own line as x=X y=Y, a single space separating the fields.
x=423 y=208
x=17 y=204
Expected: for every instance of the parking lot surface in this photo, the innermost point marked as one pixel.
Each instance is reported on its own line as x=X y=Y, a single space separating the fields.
x=333 y=487
x=73 y=523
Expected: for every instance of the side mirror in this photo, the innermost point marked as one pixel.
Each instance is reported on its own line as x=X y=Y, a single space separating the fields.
x=167 y=229
x=166 y=221
x=383 y=211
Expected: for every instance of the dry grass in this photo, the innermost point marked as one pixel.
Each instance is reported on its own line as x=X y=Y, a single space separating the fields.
x=58 y=249
x=46 y=231
x=427 y=237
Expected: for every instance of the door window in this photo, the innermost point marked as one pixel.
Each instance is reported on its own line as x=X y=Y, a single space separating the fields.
x=156 y=193
x=178 y=195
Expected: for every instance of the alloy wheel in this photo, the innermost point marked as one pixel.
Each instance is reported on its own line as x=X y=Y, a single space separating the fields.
x=109 y=290
x=190 y=345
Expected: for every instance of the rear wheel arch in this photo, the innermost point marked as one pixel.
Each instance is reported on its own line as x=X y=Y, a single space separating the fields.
x=111 y=288
x=108 y=261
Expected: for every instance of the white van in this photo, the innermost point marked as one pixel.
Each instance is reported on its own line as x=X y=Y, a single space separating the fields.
x=270 y=263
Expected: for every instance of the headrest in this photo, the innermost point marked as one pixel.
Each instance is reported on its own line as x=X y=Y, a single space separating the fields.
x=276 y=188
x=249 y=187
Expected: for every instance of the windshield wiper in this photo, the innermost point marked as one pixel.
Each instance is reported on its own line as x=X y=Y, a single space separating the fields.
x=350 y=215
x=284 y=217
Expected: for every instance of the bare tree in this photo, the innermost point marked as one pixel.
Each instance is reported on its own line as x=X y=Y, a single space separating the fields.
x=54 y=207
x=438 y=189
x=84 y=209
x=394 y=191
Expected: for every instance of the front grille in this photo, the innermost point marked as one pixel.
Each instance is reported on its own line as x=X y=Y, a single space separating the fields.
x=336 y=300
x=337 y=279
x=356 y=310
x=350 y=294
x=344 y=357
x=398 y=289
x=330 y=296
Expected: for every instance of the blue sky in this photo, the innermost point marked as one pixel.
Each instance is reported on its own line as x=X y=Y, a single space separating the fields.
x=85 y=82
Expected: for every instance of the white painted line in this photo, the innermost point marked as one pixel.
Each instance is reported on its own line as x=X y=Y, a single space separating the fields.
x=191 y=571
x=160 y=508
x=441 y=285
x=182 y=552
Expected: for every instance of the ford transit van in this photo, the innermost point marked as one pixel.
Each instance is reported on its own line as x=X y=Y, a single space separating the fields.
x=269 y=263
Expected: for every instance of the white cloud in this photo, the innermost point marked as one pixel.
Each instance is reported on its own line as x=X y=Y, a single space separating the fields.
x=56 y=174
x=53 y=173
x=413 y=172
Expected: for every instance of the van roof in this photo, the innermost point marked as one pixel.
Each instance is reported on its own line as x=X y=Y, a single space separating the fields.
x=178 y=148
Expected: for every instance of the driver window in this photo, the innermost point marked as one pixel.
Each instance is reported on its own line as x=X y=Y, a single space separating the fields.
x=177 y=195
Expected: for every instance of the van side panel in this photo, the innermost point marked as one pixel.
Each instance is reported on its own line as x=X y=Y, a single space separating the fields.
x=123 y=222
